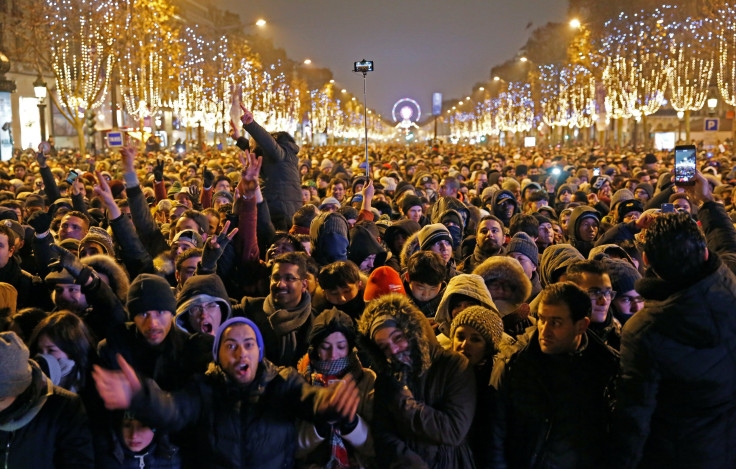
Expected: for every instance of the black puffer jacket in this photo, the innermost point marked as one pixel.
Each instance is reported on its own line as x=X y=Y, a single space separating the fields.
x=236 y=427
x=552 y=410
x=280 y=172
x=676 y=404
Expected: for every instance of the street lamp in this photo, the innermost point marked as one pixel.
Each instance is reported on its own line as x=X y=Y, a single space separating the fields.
x=712 y=103
x=261 y=23
x=39 y=89
x=307 y=61
x=575 y=23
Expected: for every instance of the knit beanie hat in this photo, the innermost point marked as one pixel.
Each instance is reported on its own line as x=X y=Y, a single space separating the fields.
x=328 y=223
x=329 y=201
x=326 y=163
x=621 y=195
x=99 y=236
x=627 y=206
x=117 y=188
x=174 y=189
x=623 y=274
x=431 y=234
x=510 y=185
x=15 y=371
x=70 y=244
x=523 y=244
x=486 y=322
x=649 y=158
x=189 y=236
x=149 y=292
x=230 y=322
x=382 y=281
x=409 y=202
x=487 y=193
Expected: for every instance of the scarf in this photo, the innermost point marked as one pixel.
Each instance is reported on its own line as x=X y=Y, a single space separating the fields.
x=28 y=404
x=285 y=322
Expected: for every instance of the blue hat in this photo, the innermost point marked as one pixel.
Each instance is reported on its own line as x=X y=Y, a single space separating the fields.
x=230 y=322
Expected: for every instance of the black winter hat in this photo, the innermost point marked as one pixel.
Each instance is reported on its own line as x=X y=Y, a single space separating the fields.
x=623 y=275
x=409 y=202
x=149 y=292
x=203 y=287
x=328 y=322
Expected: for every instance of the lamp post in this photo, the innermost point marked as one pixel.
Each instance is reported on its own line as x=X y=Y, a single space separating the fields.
x=39 y=89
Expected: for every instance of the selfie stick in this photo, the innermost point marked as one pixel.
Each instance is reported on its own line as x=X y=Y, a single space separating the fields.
x=365 y=66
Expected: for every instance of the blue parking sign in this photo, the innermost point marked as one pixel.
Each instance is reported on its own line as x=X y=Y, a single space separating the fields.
x=711 y=124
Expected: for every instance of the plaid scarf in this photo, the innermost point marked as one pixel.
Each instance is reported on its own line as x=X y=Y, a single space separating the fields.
x=323 y=373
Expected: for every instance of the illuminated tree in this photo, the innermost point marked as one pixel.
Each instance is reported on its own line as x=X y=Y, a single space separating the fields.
x=726 y=71
x=78 y=43
x=149 y=62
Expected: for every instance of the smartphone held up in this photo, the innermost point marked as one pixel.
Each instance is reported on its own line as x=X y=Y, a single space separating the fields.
x=685 y=165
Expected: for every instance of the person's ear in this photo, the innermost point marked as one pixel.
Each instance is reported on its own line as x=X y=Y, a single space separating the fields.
x=582 y=325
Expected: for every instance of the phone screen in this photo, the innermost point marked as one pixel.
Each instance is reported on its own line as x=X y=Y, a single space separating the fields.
x=685 y=164
x=72 y=176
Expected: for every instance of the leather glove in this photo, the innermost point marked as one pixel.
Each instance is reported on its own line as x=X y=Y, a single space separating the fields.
x=208 y=178
x=158 y=171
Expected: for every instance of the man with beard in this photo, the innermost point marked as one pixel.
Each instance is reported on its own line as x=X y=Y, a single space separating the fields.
x=285 y=315
x=488 y=242
x=424 y=395
x=150 y=344
x=546 y=232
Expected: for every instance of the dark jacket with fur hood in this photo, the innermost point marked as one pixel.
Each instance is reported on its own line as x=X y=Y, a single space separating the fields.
x=426 y=423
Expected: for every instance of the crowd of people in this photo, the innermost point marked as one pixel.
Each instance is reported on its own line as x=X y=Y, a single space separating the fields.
x=437 y=306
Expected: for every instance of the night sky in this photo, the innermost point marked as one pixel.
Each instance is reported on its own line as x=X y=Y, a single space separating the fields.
x=419 y=46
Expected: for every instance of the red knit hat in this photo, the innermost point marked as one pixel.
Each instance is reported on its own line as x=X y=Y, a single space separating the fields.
x=382 y=281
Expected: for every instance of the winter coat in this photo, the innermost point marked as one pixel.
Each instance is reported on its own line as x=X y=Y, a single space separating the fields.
x=676 y=393
x=573 y=226
x=160 y=454
x=552 y=411
x=555 y=260
x=405 y=228
x=31 y=289
x=172 y=364
x=363 y=244
x=46 y=427
x=235 y=426
x=281 y=185
x=464 y=284
x=426 y=424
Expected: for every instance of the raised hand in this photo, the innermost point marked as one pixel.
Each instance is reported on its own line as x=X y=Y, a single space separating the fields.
x=128 y=155
x=42 y=159
x=194 y=192
x=208 y=177
x=235 y=108
x=215 y=246
x=700 y=192
x=249 y=174
x=102 y=190
x=158 y=170
x=116 y=388
x=343 y=400
x=78 y=187
x=247 y=117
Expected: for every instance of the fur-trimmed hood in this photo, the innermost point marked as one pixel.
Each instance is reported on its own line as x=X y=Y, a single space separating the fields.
x=104 y=264
x=464 y=284
x=509 y=271
x=410 y=247
x=447 y=205
x=410 y=320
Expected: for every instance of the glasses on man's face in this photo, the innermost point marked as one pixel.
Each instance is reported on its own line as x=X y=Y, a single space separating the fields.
x=207 y=307
x=597 y=293
x=627 y=300
x=276 y=278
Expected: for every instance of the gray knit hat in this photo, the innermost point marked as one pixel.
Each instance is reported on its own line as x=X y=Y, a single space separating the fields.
x=523 y=244
x=15 y=371
x=431 y=234
x=621 y=195
x=623 y=275
x=486 y=322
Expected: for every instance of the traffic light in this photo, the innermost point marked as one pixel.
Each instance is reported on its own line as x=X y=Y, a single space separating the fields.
x=89 y=122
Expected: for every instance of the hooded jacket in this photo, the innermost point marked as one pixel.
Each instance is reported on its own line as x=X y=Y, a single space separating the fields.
x=675 y=405
x=329 y=234
x=428 y=425
x=199 y=290
x=463 y=284
x=577 y=216
x=555 y=260
x=281 y=185
x=363 y=244
x=499 y=195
